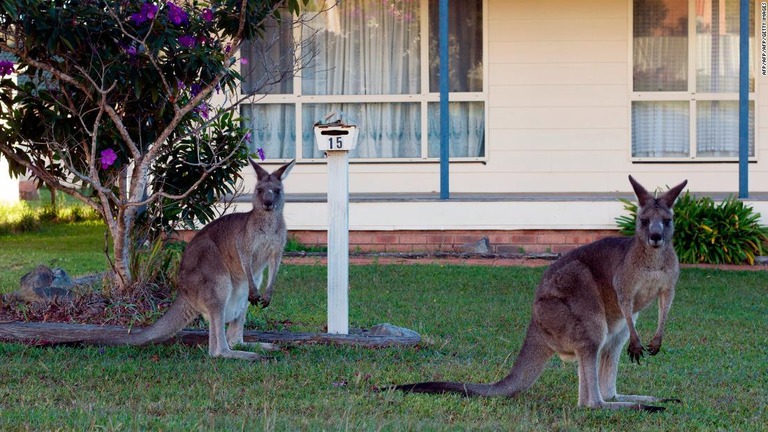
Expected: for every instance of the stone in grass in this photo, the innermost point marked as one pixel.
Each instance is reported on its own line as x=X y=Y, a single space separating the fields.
x=44 y=283
x=390 y=330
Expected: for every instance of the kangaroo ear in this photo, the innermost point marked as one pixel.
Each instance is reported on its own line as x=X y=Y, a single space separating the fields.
x=261 y=173
x=284 y=170
x=671 y=195
x=642 y=195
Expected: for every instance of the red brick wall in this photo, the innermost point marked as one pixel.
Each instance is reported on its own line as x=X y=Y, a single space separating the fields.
x=501 y=242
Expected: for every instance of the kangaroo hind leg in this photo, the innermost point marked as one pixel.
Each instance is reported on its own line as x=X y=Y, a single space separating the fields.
x=218 y=346
x=609 y=365
x=235 y=329
x=589 y=387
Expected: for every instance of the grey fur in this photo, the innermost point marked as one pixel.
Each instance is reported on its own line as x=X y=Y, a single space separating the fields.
x=221 y=271
x=585 y=308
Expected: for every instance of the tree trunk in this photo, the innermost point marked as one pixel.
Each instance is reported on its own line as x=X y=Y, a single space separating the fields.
x=61 y=333
x=120 y=228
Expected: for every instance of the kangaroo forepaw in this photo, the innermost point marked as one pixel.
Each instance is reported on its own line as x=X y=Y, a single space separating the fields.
x=654 y=348
x=635 y=353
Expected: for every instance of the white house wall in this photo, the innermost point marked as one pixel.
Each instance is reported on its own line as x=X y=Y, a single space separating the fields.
x=477 y=216
x=558 y=98
x=559 y=78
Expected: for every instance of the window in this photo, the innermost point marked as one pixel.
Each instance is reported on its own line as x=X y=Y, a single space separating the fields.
x=375 y=64
x=686 y=80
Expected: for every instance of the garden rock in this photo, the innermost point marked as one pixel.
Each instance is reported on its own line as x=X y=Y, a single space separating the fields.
x=482 y=246
x=44 y=283
x=391 y=330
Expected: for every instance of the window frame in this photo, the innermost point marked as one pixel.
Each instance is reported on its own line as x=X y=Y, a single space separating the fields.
x=424 y=98
x=691 y=96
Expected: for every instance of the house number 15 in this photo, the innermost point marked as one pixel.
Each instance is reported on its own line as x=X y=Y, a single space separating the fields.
x=338 y=143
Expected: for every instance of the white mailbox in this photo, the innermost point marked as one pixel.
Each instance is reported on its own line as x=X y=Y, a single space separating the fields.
x=336 y=137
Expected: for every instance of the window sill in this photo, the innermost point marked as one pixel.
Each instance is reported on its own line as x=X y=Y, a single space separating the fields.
x=691 y=160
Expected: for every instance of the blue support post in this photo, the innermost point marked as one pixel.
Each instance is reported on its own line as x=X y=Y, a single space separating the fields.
x=444 y=132
x=744 y=98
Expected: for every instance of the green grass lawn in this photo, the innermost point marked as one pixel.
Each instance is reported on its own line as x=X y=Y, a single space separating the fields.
x=78 y=248
x=472 y=320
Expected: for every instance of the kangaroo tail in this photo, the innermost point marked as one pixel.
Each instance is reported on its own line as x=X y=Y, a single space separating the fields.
x=174 y=320
x=528 y=366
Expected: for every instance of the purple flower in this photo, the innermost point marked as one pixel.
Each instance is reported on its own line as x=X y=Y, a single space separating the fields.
x=260 y=151
x=247 y=137
x=108 y=158
x=176 y=14
x=187 y=41
x=202 y=109
x=138 y=18
x=149 y=10
x=6 y=67
x=244 y=61
x=195 y=89
x=132 y=51
x=147 y=13
x=207 y=15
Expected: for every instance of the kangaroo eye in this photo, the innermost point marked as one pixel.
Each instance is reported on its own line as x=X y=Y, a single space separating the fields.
x=645 y=221
x=667 y=222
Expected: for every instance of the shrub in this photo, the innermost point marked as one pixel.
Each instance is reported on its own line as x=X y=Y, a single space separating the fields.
x=78 y=213
x=23 y=217
x=706 y=232
x=17 y=217
x=157 y=263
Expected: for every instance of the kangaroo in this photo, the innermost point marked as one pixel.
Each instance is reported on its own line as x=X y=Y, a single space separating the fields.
x=221 y=271
x=585 y=308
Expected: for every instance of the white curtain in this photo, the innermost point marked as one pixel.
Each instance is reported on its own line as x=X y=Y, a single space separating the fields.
x=267 y=63
x=661 y=58
x=272 y=129
x=660 y=63
x=372 y=48
x=363 y=47
x=466 y=125
x=660 y=129
x=717 y=129
x=386 y=130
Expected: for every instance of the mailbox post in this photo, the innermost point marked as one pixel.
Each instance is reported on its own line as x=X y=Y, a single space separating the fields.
x=336 y=140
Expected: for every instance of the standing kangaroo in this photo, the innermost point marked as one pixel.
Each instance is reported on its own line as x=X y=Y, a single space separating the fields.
x=585 y=309
x=221 y=271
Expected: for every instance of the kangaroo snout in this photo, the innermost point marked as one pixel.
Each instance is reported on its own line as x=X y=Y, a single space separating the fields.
x=656 y=233
x=268 y=200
